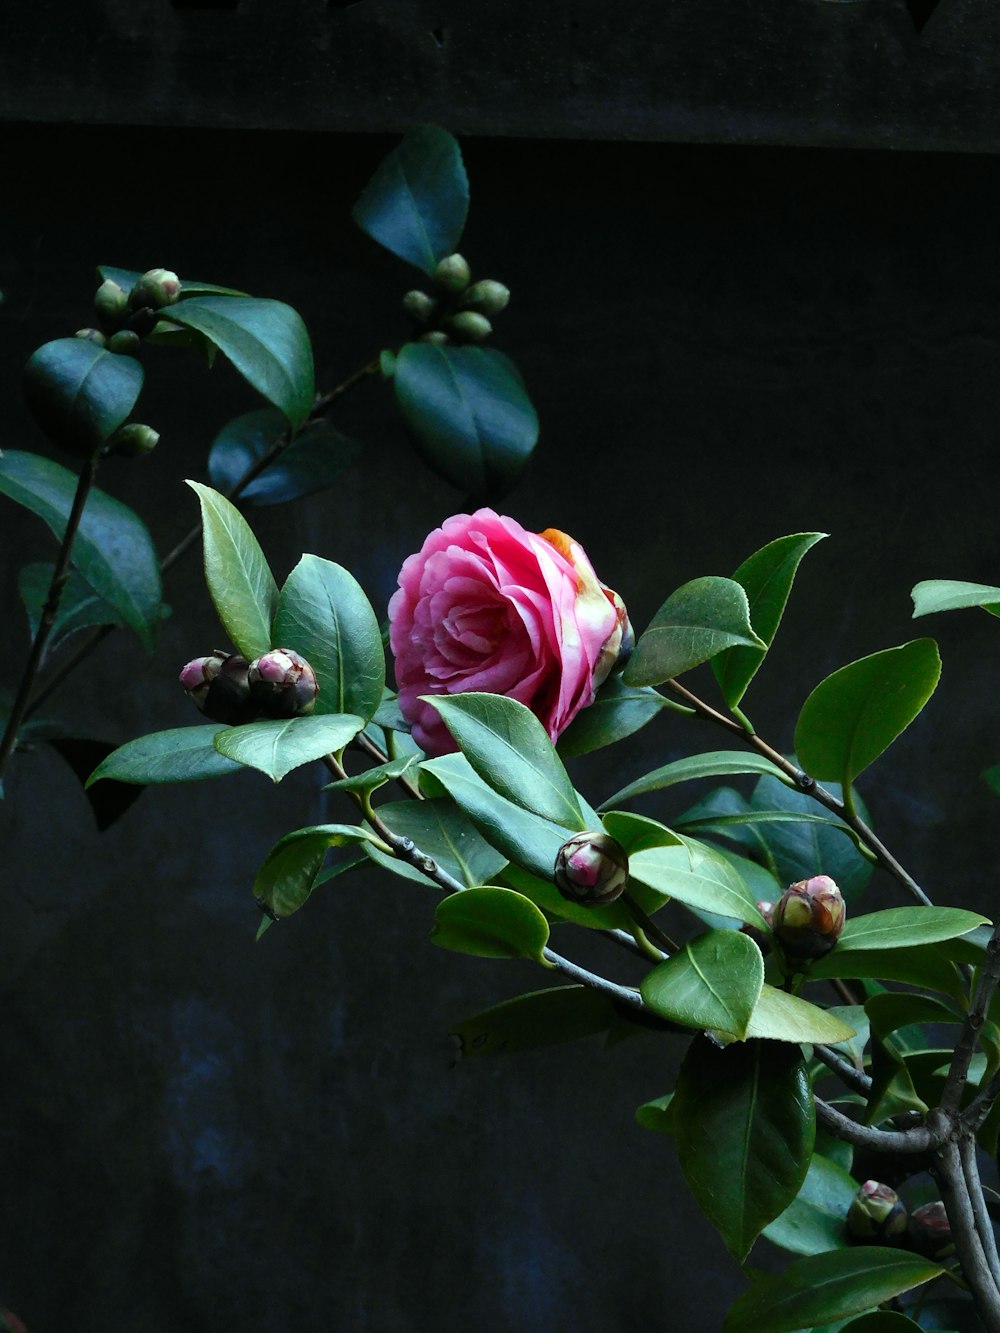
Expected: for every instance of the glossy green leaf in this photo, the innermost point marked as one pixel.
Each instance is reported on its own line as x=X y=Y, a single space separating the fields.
x=697 y=621
x=714 y=982
x=920 y=965
x=637 y=833
x=80 y=393
x=126 y=279
x=721 y=823
x=238 y=576
x=891 y=1010
x=440 y=829
x=716 y=764
x=951 y=595
x=778 y=1016
x=266 y=341
x=856 y=714
x=767 y=578
x=539 y=1019
x=312 y=462
x=79 y=606
x=113 y=550
x=373 y=778
x=796 y=851
x=900 y=927
x=892 y=1091
x=509 y=748
x=324 y=614
x=491 y=923
x=186 y=754
x=702 y=881
x=468 y=413
x=288 y=874
x=744 y=1125
x=815 y=1219
x=276 y=747
x=824 y=1287
x=416 y=202
x=618 y=710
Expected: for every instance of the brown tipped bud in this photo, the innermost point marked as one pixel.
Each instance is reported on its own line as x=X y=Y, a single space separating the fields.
x=91 y=336
x=125 y=341
x=420 y=306
x=762 y=938
x=435 y=336
x=809 y=917
x=283 y=684
x=219 y=687
x=930 y=1230
x=133 y=440
x=452 y=275
x=591 y=869
x=487 y=296
x=111 y=302
x=470 y=327
x=156 y=288
x=876 y=1215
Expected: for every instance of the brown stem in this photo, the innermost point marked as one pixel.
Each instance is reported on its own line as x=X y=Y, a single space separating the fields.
x=989 y=978
x=968 y=1244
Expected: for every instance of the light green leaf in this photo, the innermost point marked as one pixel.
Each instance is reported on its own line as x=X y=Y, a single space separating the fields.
x=618 y=710
x=440 y=829
x=717 y=764
x=815 y=1219
x=697 y=621
x=186 y=754
x=312 y=462
x=779 y=1016
x=701 y=881
x=951 y=595
x=79 y=393
x=491 y=923
x=854 y=715
x=373 y=778
x=288 y=874
x=714 y=982
x=539 y=1019
x=238 y=576
x=276 y=747
x=900 y=927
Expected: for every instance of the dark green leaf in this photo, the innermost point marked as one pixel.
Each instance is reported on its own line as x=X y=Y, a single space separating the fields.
x=108 y=800
x=186 y=754
x=824 y=1287
x=373 y=778
x=79 y=606
x=891 y=1010
x=491 y=923
x=324 y=614
x=311 y=463
x=544 y=894
x=720 y=823
x=79 y=393
x=949 y=595
x=441 y=831
x=276 y=747
x=266 y=341
x=695 y=623
x=900 y=927
x=856 y=714
x=815 y=1219
x=468 y=412
x=796 y=851
x=416 y=202
x=717 y=764
x=744 y=1125
x=767 y=577
x=541 y=1018
x=288 y=874
x=657 y=1115
x=714 y=982
x=618 y=710
x=920 y=965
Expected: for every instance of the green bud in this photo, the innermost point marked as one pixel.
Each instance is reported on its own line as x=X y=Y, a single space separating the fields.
x=487 y=296
x=453 y=274
x=876 y=1215
x=419 y=306
x=591 y=869
x=111 y=302
x=156 y=288
x=469 y=326
x=91 y=336
x=133 y=440
x=126 y=342
x=435 y=336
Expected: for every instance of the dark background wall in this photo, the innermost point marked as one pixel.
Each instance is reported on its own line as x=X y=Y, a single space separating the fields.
x=725 y=344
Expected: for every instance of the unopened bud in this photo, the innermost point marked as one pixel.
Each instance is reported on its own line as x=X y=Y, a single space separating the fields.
x=876 y=1214
x=9 y=1323
x=452 y=274
x=470 y=327
x=156 y=288
x=111 y=302
x=133 y=440
x=219 y=687
x=487 y=296
x=125 y=341
x=436 y=337
x=283 y=684
x=419 y=306
x=809 y=917
x=591 y=869
x=762 y=938
x=930 y=1230
x=91 y=336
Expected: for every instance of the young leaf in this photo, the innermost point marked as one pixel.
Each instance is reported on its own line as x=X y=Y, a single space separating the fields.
x=854 y=715
x=717 y=764
x=440 y=830
x=693 y=624
x=744 y=1124
x=186 y=754
x=714 y=982
x=491 y=923
x=779 y=1016
x=311 y=463
x=373 y=778
x=416 y=203
x=509 y=748
x=815 y=1219
x=80 y=393
x=705 y=882
x=276 y=747
x=900 y=927
x=618 y=710
x=541 y=1018
x=951 y=595
x=469 y=414
x=238 y=576
x=767 y=578
x=113 y=550
x=266 y=341
x=288 y=874
x=79 y=606
x=324 y=614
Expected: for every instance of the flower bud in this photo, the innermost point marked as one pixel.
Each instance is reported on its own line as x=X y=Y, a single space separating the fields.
x=133 y=440
x=156 y=288
x=876 y=1215
x=9 y=1323
x=487 y=296
x=809 y=917
x=762 y=938
x=125 y=341
x=111 y=302
x=435 y=336
x=219 y=687
x=452 y=274
x=930 y=1230
x=419 y=306
x=91 y=336
x=470 y=326
x=591 y=869
x=283 y=684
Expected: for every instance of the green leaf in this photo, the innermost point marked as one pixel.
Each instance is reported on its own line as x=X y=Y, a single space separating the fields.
x=79 y=393
x=266 y=341
x=544 y=894
x=767 y=578
x=815 y=1219
x=854 y=715
x=701 y=881
x=717 y=764
x=186 y=754
x=751 y=818
x=744 y=1125
x=891 y=1010
x=779 y=1016
x=714 y=982
x=416 y=203
x=951 y=595
x=312 y=462
x=113 y=550
x=508 y=747
x=468 y=412
x=324 y=614
x=824 y=1287
x=618 y=710
x=79 y=606
x=373 y=778
x=695 y=623
x=920 y=965
x=238 y=576
x=276 y=747
x=900 y=927
x=491 y=923
x=539 y=1019
x=441 y=831
x=657 y=1115
x=290 y=869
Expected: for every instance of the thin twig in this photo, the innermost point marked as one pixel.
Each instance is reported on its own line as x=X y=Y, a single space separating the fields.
x=848 y=1073
x=974 y=1188
x=919 y=1139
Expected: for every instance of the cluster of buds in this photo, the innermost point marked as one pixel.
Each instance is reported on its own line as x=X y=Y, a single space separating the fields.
x=126 y=317
x=591 y=869
x=460 y=309
x=808 y=918
x=876 y=1216
x=930 y=1230
x=227 y=688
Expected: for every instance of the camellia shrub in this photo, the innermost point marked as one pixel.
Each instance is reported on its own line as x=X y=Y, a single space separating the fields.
x=836 y=1059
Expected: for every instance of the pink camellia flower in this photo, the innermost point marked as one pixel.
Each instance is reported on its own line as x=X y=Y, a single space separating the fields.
x=485 y=605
